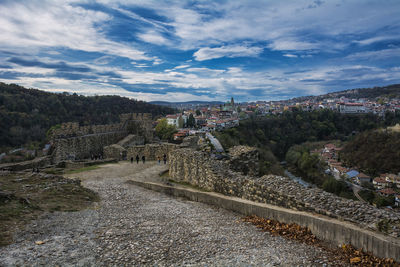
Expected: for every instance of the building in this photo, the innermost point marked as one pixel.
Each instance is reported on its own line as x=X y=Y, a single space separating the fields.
x=174 y=120
x=362 y=177
x=352 y=108
x=380 y=183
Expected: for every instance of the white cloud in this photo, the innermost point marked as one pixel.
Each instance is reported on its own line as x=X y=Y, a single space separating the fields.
x=376 y=39
x=182 y=67
x=34 y=25
x=290 y=55
x=207 y=53
x=376 y=55
x=285 y=45
x=154 y=38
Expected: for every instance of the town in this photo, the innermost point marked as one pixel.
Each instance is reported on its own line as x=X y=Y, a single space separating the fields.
x=196 y=119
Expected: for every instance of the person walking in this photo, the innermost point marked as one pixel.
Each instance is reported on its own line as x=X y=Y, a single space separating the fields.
x=165 y=159
x=137 y=159
x=159 y=160
x=131 y=160
x=143 y=159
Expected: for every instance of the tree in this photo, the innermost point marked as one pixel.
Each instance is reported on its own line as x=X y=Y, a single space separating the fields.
x=198 y=113
x=165 y=131
x=191 y=121
x=180 y=122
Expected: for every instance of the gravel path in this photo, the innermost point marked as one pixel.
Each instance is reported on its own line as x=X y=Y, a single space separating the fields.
x=132 y=226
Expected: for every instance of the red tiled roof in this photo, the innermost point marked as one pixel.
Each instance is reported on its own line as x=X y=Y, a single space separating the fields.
x=380 y=180
x=387 y=191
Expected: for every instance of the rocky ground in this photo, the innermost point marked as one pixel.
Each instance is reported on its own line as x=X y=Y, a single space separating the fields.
x=132 y=226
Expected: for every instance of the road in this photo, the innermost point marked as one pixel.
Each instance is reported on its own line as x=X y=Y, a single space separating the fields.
x=132 y=226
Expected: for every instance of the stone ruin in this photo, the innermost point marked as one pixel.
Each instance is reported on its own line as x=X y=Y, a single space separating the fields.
x=244 y=159
x=74 y=142
x=199 y=169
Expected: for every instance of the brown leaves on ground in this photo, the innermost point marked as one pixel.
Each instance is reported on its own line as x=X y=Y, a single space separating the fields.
x=346 y=254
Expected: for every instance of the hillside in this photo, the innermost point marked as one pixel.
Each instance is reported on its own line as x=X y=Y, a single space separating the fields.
x=390 y=92
x=27 y=114
x=374 y=151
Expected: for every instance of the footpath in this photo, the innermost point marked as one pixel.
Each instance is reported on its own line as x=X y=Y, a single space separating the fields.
x=133 y=226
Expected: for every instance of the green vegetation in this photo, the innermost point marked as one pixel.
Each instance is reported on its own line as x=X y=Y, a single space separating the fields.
x=312 y=169
x=268 y=163
x=339 y=188
x=165 y=131
x=375 y=152
x=30 y=113
x=279 y=136
x=24 y=198
x=191 y=122
x=280 y=132
x=390 y=92
x=374 y=198
x=375 y=93
x=308 y=166
x=274 y=135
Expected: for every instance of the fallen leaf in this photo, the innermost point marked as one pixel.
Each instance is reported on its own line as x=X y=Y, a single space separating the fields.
x=355 y=260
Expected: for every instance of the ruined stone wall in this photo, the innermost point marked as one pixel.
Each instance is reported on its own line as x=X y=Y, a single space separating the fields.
x=114 y=151
x=151 y=151
x=76 y=148
x=71 y=129
x=244 y=159
x=75 y=142
x=197 y=168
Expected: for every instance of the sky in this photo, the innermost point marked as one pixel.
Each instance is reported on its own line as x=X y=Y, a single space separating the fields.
x=200 y=50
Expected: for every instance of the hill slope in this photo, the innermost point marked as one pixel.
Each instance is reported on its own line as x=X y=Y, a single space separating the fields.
x=27 y=114
x=374 y=151
x=390 y=91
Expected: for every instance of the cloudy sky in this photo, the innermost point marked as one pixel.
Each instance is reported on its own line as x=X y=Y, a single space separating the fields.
x=200 y=50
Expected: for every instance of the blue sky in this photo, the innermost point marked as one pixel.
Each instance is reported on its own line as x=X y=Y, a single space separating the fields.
x=200 y=50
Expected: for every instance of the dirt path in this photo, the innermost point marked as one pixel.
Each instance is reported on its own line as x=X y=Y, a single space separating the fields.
x=132 y=226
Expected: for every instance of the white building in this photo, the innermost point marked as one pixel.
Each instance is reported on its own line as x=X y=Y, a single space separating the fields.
x=352 y=108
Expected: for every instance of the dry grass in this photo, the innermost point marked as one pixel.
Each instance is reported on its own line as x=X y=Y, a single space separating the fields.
x=25 y=196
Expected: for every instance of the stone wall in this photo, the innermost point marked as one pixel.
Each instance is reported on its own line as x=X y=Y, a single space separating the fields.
x=76 y=148
x=336 y=232
x=24 y=165
x=72 y=129
x=151 y=151
x=74 y=142
x=199 y=169
x=244 y=159
x=131 y=140
x=114 y=151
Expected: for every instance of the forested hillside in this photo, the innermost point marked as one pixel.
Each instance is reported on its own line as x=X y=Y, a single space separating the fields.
x=27 y=114
x=390 y=91
x=375 y=151
x=280 y=132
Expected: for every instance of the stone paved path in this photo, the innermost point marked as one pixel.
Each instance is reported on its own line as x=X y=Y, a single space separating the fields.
x=132 y=226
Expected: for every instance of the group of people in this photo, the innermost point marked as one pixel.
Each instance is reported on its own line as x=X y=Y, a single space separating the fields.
x=144 y=159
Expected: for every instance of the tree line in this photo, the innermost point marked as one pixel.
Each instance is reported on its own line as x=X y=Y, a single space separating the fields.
x=27 y=114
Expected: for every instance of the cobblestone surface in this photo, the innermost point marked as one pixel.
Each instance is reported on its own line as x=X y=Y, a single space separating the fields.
x=132 y=226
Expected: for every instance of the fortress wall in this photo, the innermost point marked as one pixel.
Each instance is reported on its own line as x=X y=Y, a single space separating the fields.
x=199 y=169
x=344 y=221
x=70 y=129
x=151 y=151
x=72 y=141
x=84 y=146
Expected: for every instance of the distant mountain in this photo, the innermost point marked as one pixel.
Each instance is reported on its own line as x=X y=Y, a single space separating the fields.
x=390 y=91
x=27 y=114
x=188 y=103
